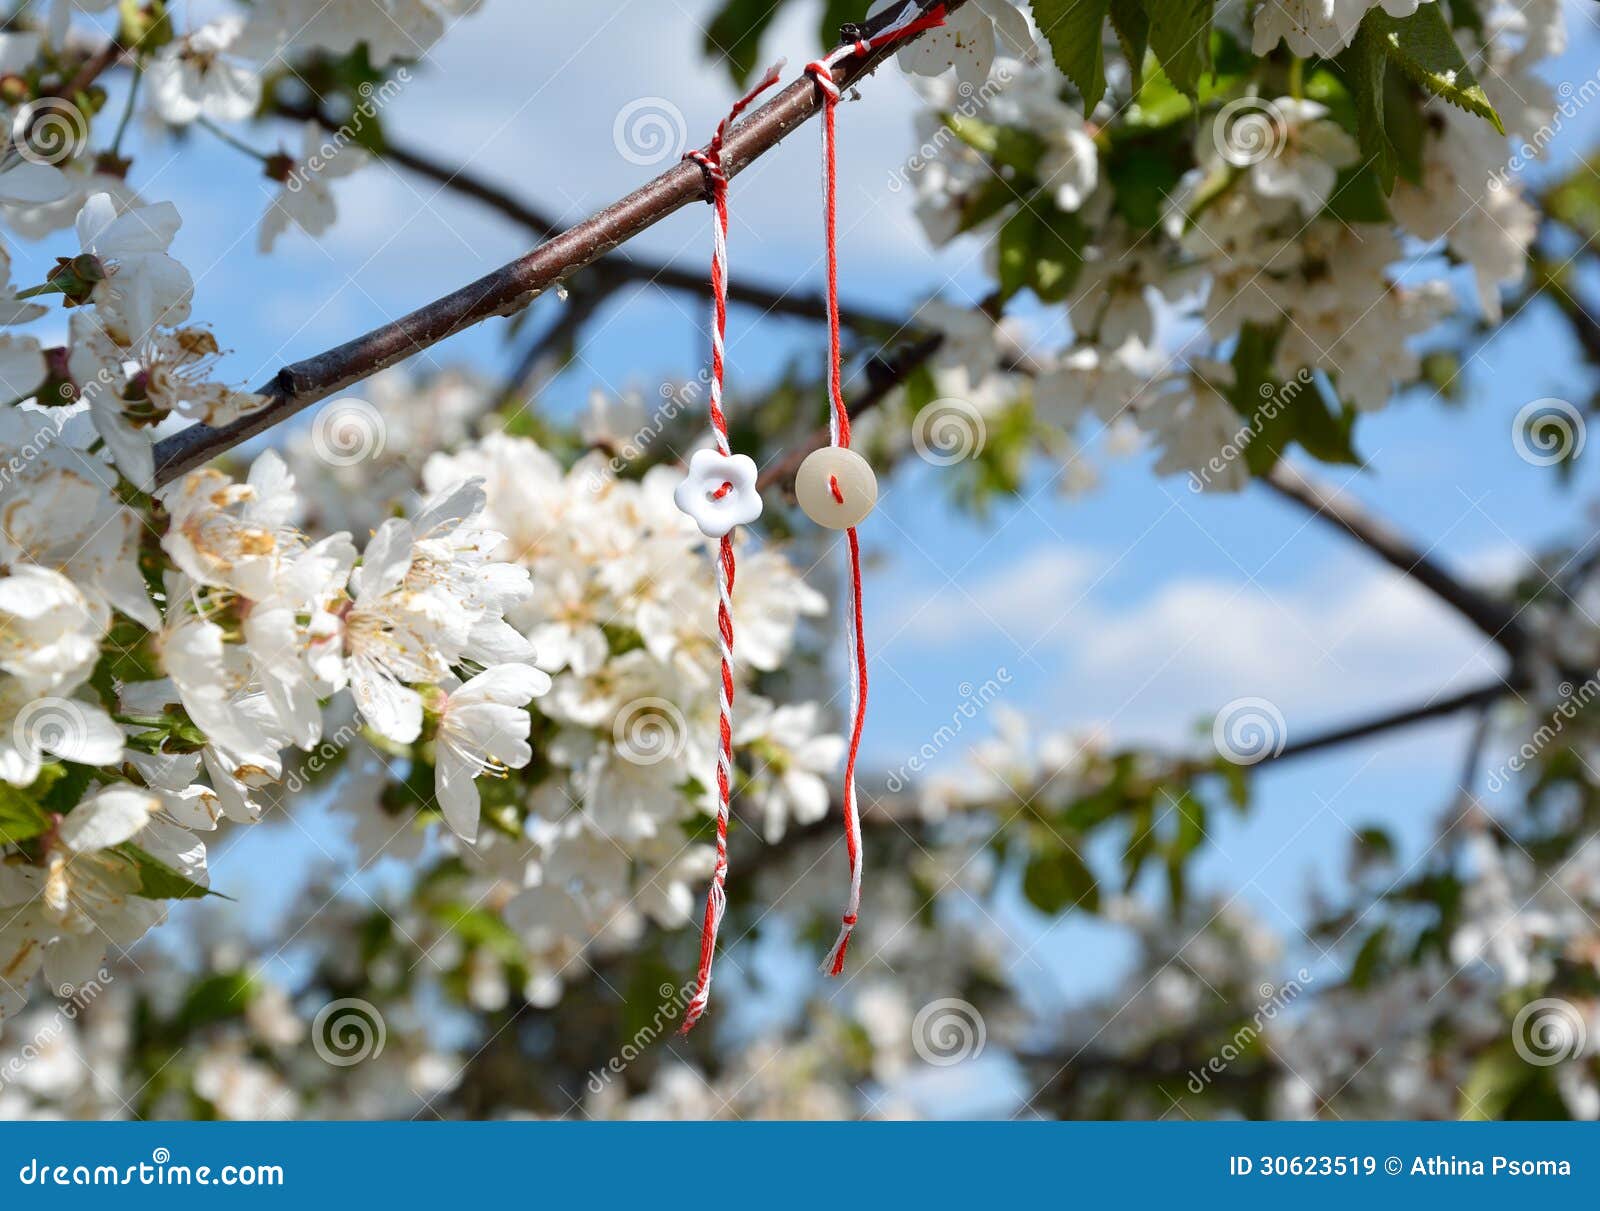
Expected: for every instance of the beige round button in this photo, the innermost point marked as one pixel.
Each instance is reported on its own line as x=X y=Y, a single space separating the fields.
x=836 y=487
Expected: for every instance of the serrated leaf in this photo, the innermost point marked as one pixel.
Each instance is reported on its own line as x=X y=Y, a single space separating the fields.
x=1075 y=31
x=1132 y=28
x=1180 y=35
x=1423 y=47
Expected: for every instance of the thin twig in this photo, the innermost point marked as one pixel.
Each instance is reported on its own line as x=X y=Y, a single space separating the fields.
x=513 y=286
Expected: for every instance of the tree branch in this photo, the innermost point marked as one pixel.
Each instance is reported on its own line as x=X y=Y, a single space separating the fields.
x=767 y=299
x=1495 y=618
x=1476 y=698
x=513 y=286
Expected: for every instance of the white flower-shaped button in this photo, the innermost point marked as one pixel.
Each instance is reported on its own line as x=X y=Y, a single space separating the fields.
x=719 y=492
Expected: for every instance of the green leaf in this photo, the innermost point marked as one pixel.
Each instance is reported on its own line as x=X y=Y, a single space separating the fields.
x=1325 y=430
x=1057 y=255
x=734 y=34
x=1141 y=844
x=1015 y=149
x=1132 y=26
x=217 y=998
x=1358 y=197
x=988 y=200
x=1280 y=413
x=1423 y=47
x=1364 y=63
x=1041 y=247
x=1016 y=245
x=1056 y=881
x=1157 y=104
x=1366 y=963
x=67 y=784
x=1496 y=1079
x=1191 y=829
x=20 y=817
x=836 y=13
x=1075 y=29
x=1144 y=172
x=1404 y=123
x=158 y=881
x=1180 y=35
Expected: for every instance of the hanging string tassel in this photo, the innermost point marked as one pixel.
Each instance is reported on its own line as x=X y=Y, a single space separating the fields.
x=910 y=22
x=719 y=493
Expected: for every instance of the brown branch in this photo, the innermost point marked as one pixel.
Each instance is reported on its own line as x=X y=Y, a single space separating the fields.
x=1494 y=617
x=767 y=299
x=93 y=68
x=1476 y=698
x=511 y=287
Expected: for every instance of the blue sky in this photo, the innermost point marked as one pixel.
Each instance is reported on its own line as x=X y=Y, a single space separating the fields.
x=1139 y=606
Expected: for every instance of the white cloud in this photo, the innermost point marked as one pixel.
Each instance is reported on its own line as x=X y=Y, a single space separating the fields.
x=1348 y=639
x=1038 y=586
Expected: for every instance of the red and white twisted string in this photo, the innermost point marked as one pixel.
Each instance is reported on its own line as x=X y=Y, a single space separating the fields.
x=910 y=22
x=710 y=160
